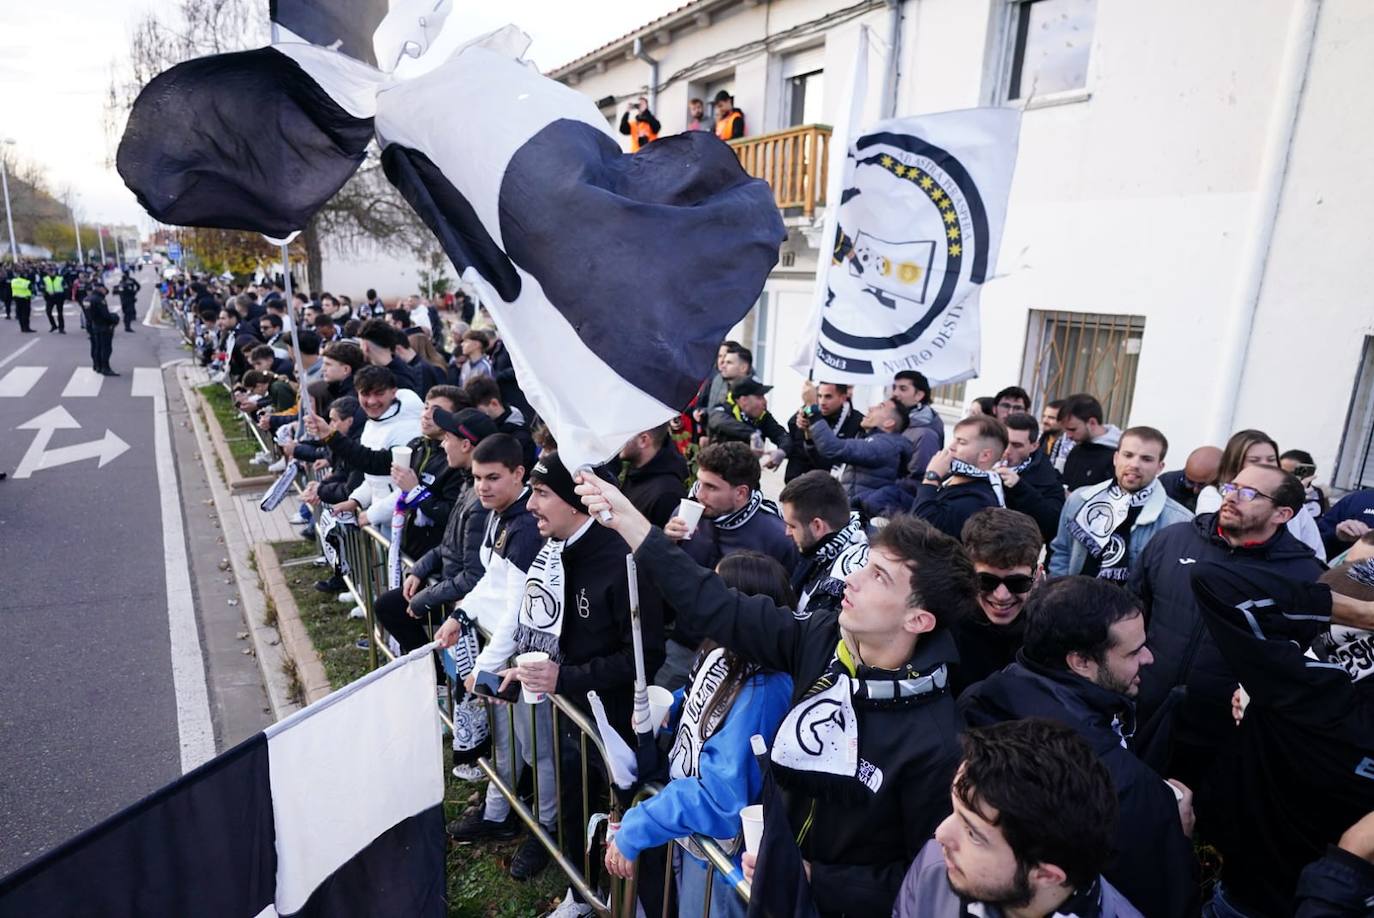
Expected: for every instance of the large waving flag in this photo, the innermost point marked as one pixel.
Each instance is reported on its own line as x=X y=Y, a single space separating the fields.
x=336 y=810
x=612 y=277
x=919 y=220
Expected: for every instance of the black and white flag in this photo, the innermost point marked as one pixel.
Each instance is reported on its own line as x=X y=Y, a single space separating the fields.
x=335 y=811
x=916 y=232
x=612 y=277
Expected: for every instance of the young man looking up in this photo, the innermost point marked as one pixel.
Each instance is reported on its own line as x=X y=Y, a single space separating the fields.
x=866 y=754
x=873 y=462
x=1033 y=823
x=959 y=480
x=1004 y=546
x=1104 y=527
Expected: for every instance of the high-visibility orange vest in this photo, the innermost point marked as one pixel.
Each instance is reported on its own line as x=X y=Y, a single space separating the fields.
x=725 y=127
x=640 y=134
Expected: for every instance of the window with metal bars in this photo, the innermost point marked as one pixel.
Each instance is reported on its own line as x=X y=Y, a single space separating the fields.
x=1071 y=352
x=1355 y=461
x=951 y=394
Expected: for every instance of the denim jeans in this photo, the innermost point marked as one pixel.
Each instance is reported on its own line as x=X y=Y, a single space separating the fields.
x=691 y=889
x=1222 y=907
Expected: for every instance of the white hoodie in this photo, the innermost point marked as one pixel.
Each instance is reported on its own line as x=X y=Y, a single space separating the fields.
x=397 y=426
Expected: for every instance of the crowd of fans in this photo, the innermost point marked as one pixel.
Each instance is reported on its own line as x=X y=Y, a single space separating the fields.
x=1012 y=667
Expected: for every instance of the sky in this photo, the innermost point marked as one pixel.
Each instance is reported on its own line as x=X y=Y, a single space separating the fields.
x=56 y=61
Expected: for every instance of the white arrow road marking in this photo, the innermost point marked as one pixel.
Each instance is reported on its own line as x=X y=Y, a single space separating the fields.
x=56 y=418
x=17 y=382
x=194 y=728
x=85 y=383
x=106 y=449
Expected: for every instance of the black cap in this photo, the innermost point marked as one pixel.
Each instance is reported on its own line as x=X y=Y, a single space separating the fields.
x=470 y=424
x=749 y=387
x=551 y=472
x=723 y=96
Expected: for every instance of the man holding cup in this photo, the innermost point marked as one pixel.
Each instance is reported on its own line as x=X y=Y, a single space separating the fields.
x=570 y=635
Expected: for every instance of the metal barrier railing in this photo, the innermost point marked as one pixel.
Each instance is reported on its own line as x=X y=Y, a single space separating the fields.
x=365 y=552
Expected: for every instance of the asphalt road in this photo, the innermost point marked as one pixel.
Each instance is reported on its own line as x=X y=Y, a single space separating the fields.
x=89 y=715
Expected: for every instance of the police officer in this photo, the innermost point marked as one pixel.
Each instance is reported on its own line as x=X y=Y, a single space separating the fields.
x=6 y=294
x=54 y=294
x=128 y=288
x=22 y=288
x=102 y=323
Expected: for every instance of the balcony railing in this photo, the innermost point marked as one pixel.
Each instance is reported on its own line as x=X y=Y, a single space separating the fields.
x=793 y=162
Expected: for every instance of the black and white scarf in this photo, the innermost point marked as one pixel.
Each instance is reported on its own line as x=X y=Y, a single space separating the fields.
x=470 y=725
x=738 y=518
x=968 y=470
x=1102 y=527
x=840 y=554
x=1084 y=903
x=816 y=749
x=541 y=610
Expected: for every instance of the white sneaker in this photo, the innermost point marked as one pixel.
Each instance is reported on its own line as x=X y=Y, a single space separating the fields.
x=468 y=773
x=345 y=597
x=570 y=908
x=278 y=466
x=357 y=612
x=260 y=459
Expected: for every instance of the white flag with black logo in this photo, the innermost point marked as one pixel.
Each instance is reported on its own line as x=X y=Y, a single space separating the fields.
x=335 y=811
x=917 y=230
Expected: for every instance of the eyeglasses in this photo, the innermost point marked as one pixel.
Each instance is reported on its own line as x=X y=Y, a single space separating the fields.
x=1016 y=583
x=1242 y=493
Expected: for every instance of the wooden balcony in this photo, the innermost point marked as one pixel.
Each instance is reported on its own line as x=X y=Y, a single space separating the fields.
x=794 y=162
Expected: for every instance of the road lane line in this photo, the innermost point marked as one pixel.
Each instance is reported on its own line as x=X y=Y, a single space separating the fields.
x=18 y=352
x=18 y=381
x=85 y=383
x=194 y=726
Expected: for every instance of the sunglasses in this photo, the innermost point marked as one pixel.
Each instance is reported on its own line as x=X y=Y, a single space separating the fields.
x=1016 y=583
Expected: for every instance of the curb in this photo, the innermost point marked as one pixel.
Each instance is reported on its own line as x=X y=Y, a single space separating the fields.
x=236 y=481
x=267 y=641
x=309 y=667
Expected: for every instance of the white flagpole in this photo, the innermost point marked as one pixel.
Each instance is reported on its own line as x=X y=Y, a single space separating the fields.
x=305 y=405
x=641 y=716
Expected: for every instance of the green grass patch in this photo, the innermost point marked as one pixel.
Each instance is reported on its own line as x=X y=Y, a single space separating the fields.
x=241 y=445
x=479 y=882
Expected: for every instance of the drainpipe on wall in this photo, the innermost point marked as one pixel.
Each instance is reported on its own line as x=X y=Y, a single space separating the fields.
x=643 y=55
x=894 y=57
x=1283 y=122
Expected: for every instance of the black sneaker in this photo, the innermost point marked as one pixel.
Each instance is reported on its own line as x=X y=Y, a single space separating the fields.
x=471 y=826
x=334 y=584
x=530 y=858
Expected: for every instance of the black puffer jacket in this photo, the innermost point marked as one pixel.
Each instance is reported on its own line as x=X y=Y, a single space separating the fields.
x=657 y=487
x=1154 y=865
x=457 y=559
x=1040 y=495
x=1184 y=652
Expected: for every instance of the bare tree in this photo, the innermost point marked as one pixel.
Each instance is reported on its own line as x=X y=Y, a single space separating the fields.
x=367 y=213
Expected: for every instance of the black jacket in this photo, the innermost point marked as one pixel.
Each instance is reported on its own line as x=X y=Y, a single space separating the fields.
x=98 y=313
x=518 y=427
x=406 y=376
x=724 y=427
x=1154 y=865
x=1340 y=885
x=430 y=375
x=503 y=371
x=457 y=559
x=1185 y=654
x=1089 y=463
x=657 y=487
x=859 y=851
x=949 y=507
x=595 y=644
x=1175 y=487
x=1300 y=768
x=984 y=648
x=803 y=457
x=343 y=478
x=1040 y=495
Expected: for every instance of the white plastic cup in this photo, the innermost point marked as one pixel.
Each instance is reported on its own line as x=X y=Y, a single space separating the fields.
x=400 y=455
x=1178 y=794
x=752 y=819
x=660 y=700
x=689 y=511
x=525 y=659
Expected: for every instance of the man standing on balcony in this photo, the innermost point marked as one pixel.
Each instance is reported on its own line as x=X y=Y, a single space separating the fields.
x=639 y=124
x=696 y=117
x=729 y=120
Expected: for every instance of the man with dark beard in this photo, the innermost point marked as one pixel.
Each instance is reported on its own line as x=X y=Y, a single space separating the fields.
x=1032 y=828
x=1080 y=666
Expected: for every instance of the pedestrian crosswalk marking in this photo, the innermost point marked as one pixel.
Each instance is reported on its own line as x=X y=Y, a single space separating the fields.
x=18 y=381
x=85 y=383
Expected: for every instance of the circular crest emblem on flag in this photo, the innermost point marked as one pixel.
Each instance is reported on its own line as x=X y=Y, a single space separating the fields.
x=912 y=231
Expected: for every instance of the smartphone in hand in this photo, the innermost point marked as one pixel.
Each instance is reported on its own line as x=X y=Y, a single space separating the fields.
x=489 y=684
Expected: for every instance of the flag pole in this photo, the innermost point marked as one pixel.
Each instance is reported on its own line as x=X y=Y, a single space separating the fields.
x=641 y=717
x=305 y=408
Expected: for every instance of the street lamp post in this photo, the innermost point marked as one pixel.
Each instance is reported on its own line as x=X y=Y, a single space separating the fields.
x=100 y=237
x=80 y=252
x=9 y=218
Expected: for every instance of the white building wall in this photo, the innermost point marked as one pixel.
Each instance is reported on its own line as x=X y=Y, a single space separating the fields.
x=1136 y=196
